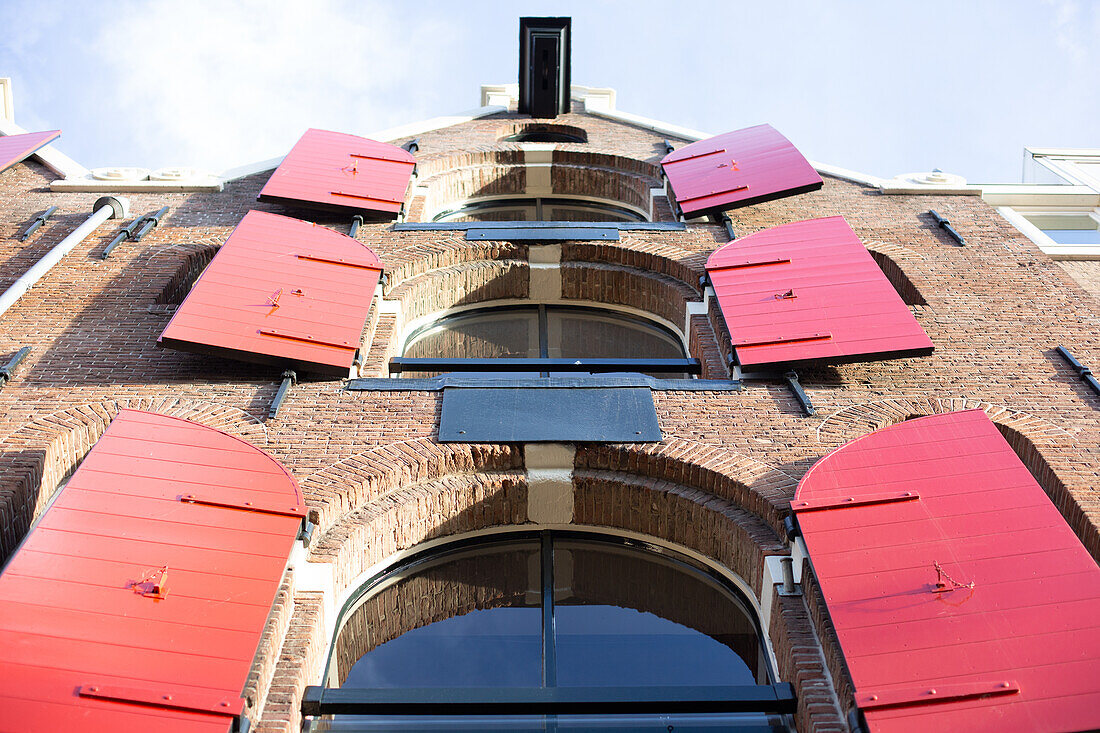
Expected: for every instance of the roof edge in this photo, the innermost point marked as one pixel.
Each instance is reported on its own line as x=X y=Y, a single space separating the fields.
x=385 y=135
x=48 y=155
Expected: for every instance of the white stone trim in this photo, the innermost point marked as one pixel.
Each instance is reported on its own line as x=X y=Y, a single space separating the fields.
x=1039 y=195
x=544 y=268
x=7 y=102
x=549 y=482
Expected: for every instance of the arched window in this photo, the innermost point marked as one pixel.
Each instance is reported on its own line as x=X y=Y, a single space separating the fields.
x=614 y=630
x=546 y=338
x=538 y=209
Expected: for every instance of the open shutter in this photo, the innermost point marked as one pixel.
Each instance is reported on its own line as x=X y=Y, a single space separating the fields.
x=280 y=291
x=336 y=171
x=15 y=148
x=139 y=599
x=810 y=292
x=737 y=169
x=961 y=598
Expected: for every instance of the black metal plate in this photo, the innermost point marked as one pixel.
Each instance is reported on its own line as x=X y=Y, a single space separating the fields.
x=560 y=415
x=543 y=233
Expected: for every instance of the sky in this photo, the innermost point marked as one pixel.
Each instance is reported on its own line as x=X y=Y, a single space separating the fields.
x=884 y=87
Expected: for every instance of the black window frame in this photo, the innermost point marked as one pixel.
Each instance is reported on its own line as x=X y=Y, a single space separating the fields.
x=777 y=698
x=543 y=366
x=618 y=214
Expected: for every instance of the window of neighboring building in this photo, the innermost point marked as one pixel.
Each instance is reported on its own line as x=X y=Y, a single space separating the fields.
x=551 y=610
x=1068 y=228
x=541 y=332
x=538 y=209
x=1064 y=234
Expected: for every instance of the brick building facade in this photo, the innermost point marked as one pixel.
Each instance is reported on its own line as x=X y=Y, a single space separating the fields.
x=378 y=483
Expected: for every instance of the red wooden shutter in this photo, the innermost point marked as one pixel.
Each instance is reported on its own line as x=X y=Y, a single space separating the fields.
x=332 y=170
x=14 y=148
x=139 y=599
x=737 y=169
x=280 y=291
x=1004 y=636
x=810 y=292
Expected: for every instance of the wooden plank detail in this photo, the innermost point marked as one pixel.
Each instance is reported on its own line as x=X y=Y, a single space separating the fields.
x=978 y=585
x=16 y=148
x=89 y=646
x=335 y=171
x=280 y=291
x=828 y=302
x=737 y=169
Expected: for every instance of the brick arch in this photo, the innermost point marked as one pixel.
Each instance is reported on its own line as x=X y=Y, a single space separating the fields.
x=851 y=422
x=888 y=256
x=43 y=452
x=359 y=488
x=437 y=275
x=451 y=180
x=638 y=495
x=187 y=271
x=748 y=484
x=1038 y=442
x=358 y=481
x=461 y=284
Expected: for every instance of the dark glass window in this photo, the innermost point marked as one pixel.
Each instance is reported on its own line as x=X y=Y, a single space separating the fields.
x=544 y=332
x=538 y=209
x=543 y=136
x=560 y=610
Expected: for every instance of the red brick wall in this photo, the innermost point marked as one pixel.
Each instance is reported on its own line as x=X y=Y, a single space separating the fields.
x=376 y=480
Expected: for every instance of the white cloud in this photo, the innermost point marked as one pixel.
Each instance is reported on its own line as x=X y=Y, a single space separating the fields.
x=217 y=84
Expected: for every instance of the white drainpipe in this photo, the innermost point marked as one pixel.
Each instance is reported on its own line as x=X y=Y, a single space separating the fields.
x=108 y=207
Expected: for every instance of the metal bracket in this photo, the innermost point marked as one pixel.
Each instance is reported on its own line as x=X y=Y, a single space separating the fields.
x=289 y=378
x=305 y=338
x=125 y=233
x=366 y=197
x=936 y=694
x=821 y=336
x=788 y=587
x=751 y=263
x=811 y=505
x=799 y=393
x=153 y=585
x=151 y=220
x=1082 y=371
x=248 y=506
x=791 y=378
x=38 y=221
x=173 y=700
x=8 y=370
x=340 y=262
x=727 y=222
x=305 y=531
x=946 y=226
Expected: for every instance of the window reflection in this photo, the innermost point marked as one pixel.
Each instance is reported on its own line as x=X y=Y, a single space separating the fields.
x=550 y=610
x=538 y=209
x=546 y=331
